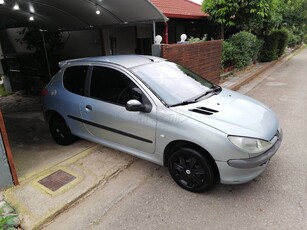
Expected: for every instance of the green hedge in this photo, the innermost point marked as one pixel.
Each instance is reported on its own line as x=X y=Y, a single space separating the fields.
x=268 y=51
x=274 y=45
x=227 y=54
x=283 y=37
x=293 y=40
x=240 y=50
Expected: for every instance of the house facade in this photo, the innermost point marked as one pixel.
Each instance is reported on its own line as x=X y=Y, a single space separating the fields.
x=183 y=16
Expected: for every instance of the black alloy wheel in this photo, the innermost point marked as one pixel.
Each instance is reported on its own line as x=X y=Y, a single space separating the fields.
x=191 y=170
x=60 y=131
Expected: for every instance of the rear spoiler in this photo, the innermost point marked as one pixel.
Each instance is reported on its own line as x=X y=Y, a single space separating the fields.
x=63 y=63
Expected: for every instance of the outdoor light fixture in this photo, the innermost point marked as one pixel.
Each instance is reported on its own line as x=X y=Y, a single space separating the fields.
x=31 y=18
x=1 y=2
x=97 y=10
x=16 y=6
x=158 y=39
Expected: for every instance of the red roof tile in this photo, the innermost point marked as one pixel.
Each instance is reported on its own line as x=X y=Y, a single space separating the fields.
x=180 y=9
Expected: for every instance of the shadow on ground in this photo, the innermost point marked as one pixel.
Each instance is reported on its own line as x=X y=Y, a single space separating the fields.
x=32 y=145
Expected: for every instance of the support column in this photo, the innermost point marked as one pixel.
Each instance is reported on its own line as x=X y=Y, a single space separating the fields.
x=102 y=45
x=165 y=35
x=154 y=30
x=7 y=167
x=46 y=54
x=6 y=83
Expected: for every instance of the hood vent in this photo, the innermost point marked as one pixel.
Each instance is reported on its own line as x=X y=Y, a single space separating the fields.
x=204 y=110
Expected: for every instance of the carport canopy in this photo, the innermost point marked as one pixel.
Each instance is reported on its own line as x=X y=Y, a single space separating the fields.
x=61 y=15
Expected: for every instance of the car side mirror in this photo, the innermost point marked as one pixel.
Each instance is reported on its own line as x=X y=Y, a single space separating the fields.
x=135 y=106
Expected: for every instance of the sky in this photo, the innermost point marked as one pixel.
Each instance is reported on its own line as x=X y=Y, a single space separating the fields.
x=197 y=1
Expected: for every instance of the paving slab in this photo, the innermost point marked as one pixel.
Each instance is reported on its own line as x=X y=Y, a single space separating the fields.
x=37 y=204
x=87 y=212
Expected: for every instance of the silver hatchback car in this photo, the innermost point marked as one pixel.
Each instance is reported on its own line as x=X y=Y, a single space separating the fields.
x=164 y=113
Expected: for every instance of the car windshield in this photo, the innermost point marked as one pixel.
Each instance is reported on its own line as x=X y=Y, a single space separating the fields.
x=172 y=83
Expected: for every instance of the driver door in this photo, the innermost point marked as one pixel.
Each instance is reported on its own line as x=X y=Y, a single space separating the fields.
x=105 y=116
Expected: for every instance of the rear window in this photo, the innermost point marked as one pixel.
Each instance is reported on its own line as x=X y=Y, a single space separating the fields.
x=74 y=79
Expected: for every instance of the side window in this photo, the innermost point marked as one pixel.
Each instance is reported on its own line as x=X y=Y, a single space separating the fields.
x=74 y=79
x=113 y=86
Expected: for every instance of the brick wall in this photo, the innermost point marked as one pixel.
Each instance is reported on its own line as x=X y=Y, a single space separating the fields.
x=203 y=58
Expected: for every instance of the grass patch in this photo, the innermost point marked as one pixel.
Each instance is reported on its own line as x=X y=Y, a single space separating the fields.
x=3 y=93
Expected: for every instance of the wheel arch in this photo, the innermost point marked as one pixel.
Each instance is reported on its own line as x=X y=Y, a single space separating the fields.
x=178 y=144
x=50 y=113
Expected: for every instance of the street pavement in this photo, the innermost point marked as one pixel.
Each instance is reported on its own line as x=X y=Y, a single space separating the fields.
x=144 y=196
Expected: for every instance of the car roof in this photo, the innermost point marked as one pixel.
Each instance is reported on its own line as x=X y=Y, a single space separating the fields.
x=128 y=61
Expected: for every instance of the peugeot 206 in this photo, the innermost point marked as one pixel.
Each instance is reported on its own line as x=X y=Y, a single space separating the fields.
x=164 y=113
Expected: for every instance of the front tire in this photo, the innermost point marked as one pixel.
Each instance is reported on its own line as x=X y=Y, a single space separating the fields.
x=191 y=170
x=60 y=131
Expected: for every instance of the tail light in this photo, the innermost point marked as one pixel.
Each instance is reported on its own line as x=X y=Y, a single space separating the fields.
x=44 y=92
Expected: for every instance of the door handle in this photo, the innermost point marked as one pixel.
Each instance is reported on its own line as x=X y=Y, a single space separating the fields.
x=88 y=108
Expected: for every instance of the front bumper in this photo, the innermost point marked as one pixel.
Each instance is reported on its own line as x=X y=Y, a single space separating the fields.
x=244 y=170
x=259 y=160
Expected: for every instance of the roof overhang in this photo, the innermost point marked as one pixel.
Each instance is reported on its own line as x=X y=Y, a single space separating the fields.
x=186 y=16
x=61 y=15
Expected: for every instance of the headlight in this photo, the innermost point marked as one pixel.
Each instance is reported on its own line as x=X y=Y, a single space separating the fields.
x=250 y=145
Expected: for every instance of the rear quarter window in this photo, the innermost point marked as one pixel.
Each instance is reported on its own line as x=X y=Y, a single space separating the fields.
x=74 y=79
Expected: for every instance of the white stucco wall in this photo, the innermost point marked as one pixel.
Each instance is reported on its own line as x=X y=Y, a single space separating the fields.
x=125 y=40
x=144 y=31
x=12 y=34
x=88 y=42
x=81 y=44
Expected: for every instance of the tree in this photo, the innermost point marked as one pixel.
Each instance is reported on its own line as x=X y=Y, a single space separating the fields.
x=295 y=16
x=45 y=46
x=243 y=14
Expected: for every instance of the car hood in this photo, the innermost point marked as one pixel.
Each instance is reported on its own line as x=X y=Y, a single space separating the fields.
x=233 y=114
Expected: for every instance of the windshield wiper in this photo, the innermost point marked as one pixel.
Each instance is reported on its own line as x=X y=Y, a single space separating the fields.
x=184 y=103
x=216 y=89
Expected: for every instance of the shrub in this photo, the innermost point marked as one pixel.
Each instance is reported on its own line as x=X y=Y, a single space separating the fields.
x=274 y=45
x=193 y=40
x=293 y=40
x=227 y=54
x=283 y=37
x=269 y=47
x=245 y=48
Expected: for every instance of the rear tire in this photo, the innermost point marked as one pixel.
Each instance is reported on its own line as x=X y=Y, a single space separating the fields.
x=60 y=131
x=191 y=170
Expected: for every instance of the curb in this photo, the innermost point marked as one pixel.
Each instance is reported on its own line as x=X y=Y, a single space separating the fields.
x=243 y=80
x=41 y=223
x=251 y=77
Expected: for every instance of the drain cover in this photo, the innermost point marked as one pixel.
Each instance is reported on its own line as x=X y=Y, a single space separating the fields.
x=56 y=180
